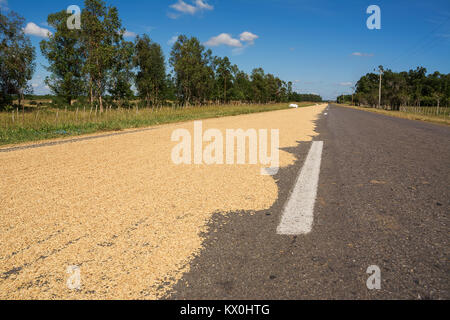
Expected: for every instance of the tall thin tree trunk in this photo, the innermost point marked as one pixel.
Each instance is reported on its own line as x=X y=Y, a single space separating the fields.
x=100 y=99
x=91 y=96
x=23 y=105
x=225 y=91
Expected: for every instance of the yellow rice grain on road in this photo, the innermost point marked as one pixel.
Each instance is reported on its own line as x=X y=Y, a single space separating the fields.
x=118 y=208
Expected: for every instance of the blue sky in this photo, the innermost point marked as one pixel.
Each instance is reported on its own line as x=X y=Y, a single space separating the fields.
x=322 y=46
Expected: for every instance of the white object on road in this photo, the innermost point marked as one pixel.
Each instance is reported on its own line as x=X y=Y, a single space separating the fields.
x=298 y=213
x=293 y=105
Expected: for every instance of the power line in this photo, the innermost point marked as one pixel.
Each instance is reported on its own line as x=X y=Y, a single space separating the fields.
x=419 y=45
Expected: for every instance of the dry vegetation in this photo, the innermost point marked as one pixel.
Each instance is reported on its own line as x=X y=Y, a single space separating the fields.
x=35 y=124
x=428 y=114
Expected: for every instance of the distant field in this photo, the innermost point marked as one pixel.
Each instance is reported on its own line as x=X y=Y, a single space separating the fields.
x=47 y=123
x=429 y=114
x=33 y=102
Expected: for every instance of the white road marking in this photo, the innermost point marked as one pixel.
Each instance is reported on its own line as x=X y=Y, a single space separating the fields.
x=298 y=213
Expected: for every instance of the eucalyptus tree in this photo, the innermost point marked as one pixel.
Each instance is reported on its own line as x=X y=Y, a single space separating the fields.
x=151 y=81
x=438 y=85
x=241 y=85
x=224 y=77
x=192 y=65
x=258 y=85
x=272 y=88
x=121 y=76
x=101 y=36
x=64 y=52
x=16 y=58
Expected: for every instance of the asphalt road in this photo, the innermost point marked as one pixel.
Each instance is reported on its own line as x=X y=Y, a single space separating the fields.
x=383 y=199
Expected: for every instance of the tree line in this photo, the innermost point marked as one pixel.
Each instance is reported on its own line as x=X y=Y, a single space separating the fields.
x=413 y=88
x=97 y=66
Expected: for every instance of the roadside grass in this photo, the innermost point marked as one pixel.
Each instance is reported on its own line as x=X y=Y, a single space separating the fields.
x=411 y=115
x=46 y=123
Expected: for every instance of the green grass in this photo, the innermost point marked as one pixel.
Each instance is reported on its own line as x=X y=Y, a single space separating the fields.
x=17 y=127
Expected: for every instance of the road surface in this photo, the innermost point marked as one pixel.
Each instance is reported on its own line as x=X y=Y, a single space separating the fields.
x=383 y=199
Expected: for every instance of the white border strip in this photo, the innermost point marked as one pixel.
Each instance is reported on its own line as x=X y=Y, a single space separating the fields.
x=298 y=213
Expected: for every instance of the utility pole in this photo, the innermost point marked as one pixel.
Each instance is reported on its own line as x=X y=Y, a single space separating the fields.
x=380 y=69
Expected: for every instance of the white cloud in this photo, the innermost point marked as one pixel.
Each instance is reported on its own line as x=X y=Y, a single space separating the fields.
x=223 y=39
x=248 y=37
x=226 y=39
x=172 y=40
x=34 y=30
x=345 y=84
x=129 y=34
x=360 y=54
x=237 y=51
x=202 y=5
x=185 y=8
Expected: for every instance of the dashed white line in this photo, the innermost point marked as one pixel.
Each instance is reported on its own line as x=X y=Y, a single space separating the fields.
x=298 y=213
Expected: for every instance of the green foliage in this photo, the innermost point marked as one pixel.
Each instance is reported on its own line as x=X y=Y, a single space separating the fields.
x=194 y=75
x=412 y=88
x=223 y=78
x=16 y=59
x=297 y=97
x=122 y=75
x=65 y=55
x=101 y=38
x=151 y=79
x=201 y=78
